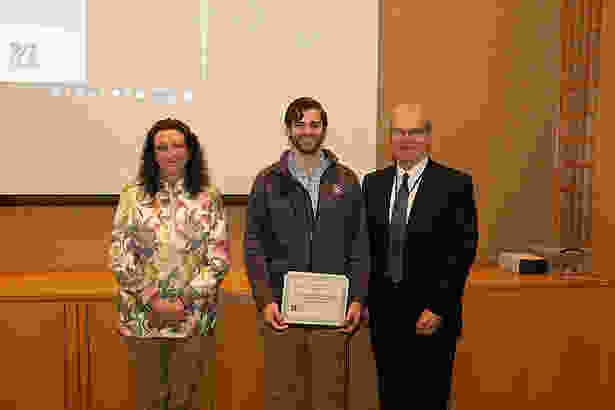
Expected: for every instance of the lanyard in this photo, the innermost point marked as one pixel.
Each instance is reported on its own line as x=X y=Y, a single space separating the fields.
x=398 y=185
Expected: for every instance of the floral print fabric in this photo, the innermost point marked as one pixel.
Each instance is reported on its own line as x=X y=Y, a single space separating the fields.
x=169 y=253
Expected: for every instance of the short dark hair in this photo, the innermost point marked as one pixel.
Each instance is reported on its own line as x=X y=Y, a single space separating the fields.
x=299 y=106
x=196 y=177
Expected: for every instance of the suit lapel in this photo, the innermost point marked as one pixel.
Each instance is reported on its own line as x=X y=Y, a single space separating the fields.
x=385 y=192
x=423 y=195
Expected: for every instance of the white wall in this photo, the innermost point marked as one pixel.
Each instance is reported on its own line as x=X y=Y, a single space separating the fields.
x=256 y=64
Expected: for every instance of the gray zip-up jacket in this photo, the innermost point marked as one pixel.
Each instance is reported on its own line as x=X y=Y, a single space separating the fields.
x=283 y=233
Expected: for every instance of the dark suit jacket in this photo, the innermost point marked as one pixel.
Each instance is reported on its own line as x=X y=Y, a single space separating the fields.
x=440 y=247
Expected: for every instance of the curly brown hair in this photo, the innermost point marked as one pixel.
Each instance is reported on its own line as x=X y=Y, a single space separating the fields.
x=295 y=111
x=196 y=177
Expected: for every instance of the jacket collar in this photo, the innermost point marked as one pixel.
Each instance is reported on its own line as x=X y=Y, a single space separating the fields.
x=416 y=170
x=393 y=169
x=390 y=172
x=176 y=187
x=282 y=165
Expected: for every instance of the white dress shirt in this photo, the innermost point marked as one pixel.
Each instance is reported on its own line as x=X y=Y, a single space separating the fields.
x=415 y=172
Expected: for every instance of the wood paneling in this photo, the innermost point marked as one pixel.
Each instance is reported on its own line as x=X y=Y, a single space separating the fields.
x=79 y=201
x=37 y=356
x=77 y=239
x=525 y=345
x=535 y=349
x=111 y=377
x=575 y=140
x=239 y=357
x=237 y=221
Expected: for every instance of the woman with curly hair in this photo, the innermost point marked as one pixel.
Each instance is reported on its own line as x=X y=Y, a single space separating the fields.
x=169 y=255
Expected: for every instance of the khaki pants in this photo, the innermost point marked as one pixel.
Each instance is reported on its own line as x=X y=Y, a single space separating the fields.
x=305 y=368
x=170 y=373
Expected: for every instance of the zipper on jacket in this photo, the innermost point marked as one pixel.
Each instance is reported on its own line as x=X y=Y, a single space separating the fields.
x=317 y=216
x=312 y=222
x=313 y=217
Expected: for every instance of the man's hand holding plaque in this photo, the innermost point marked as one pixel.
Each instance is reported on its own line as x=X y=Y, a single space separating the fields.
x=353 y=318
x=273 y=318
x=318 y=299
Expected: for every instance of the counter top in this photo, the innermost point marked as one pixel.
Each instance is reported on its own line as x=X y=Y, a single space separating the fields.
x=80 y=285
x=490 y=276
x=101 y=285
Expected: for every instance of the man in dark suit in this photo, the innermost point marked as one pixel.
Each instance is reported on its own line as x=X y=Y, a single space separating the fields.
x=423 y=237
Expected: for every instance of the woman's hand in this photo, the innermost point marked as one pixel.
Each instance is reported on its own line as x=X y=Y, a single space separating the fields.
x=164 y=305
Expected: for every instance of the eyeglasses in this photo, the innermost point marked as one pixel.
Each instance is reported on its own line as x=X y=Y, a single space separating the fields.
x=165 y=147
x=409 y=131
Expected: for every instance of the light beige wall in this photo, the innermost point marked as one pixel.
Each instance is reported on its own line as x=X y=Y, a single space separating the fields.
x=261 y=56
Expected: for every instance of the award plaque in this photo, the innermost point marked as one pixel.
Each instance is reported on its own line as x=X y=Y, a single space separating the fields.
x=315 y=299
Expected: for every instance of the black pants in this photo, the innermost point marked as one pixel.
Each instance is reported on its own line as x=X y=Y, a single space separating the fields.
x=414 y=372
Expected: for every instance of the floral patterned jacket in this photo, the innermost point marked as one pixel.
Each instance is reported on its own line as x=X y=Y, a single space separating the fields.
x=169 y=253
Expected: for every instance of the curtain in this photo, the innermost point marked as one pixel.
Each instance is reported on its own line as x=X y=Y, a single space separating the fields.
x=581 y=25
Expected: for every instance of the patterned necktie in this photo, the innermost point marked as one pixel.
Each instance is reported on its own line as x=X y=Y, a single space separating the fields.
x=398 y=232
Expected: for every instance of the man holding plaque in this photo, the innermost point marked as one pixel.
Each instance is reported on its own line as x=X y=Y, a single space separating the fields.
x=306 y=251
x=422 y=228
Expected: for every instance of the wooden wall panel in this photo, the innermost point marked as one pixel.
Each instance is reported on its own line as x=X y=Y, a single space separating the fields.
x=111 y=382
x=36 y=356
x=77 y=239
x=515 y=355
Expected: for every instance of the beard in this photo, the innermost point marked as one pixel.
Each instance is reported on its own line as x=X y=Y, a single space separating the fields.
x=307 y=145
